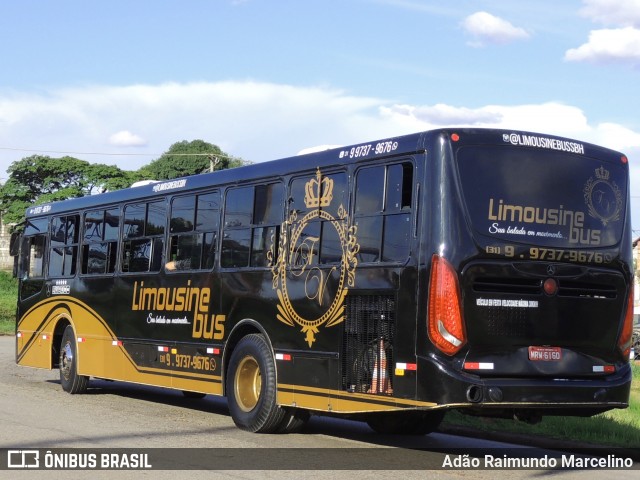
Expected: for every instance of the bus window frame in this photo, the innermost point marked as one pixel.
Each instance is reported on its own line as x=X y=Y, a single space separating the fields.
x=126 y=242
x=195 y=232
x=252 y=227
x=104 y=240
x=381 y=216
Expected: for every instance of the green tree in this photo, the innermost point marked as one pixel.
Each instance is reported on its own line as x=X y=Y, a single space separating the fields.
x=42 y=179
x=189 y=158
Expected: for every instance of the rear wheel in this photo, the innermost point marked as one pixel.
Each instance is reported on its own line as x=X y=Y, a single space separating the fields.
x=69 y=379
x=406 y=423
x=251 y=386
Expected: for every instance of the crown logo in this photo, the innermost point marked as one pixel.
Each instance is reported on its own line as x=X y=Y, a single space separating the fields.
x=318 y=191
x=602 y=173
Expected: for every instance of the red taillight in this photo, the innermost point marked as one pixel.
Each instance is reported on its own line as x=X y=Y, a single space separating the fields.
x=624 y=341
x=445 y=326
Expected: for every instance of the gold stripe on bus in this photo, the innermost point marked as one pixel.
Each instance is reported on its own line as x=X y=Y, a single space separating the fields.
x=339 y=401
x=96 y=356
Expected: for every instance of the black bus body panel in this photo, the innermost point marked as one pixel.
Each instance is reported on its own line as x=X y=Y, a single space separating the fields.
x=527 y=350
x=386 y=306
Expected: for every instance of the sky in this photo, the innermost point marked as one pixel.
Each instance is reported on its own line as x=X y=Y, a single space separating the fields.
x=119 y=82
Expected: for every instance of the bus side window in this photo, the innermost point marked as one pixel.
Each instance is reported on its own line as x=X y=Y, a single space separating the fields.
x=252 y=224
x=208 y=222
x=138 y=255
x=32 y=250
x=383 y=212
x=267 y=217
x=63 y=250
x=399 y=187
x=193 y=223
x=144 y=227
x=100 y=241
x=33 y=260
x=186 y=252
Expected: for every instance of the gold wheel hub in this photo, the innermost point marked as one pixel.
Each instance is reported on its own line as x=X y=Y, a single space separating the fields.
x=247 y=383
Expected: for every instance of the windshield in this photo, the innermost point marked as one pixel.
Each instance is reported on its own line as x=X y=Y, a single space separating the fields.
x=540 y=197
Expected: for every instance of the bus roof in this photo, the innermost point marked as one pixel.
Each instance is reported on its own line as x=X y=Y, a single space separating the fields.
x=401 y=145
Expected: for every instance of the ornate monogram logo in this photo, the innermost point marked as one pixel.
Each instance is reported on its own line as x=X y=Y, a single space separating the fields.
x=603 y=197
x=297 y=262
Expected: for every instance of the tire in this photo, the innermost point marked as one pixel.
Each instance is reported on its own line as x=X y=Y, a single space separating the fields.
x=69 y=379
x=406 y=423
x=251 y=386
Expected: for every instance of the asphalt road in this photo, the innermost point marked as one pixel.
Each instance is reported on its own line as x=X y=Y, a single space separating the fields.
x=36 y=413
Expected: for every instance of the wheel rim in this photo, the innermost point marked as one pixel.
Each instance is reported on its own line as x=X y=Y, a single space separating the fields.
x=66 y=360
x=247 y=383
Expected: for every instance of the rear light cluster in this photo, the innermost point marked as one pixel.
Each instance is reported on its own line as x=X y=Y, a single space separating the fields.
x=624 y=340
x=445 y=326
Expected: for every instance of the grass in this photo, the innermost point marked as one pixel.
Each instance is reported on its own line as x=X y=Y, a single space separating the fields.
x=8 y=298
x=614 y=428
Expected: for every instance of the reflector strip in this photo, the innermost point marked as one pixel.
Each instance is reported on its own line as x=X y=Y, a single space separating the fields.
x=45 y=337
x=81 y=339
x=116 y=343
x=406 y=366
x=478 y=366
x=163 y=349
x=604 y=368
x=213 y=351
x=19 y=334
x=283 y=356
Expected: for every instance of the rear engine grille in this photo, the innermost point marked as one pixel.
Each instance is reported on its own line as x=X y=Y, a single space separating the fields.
x=586 y=290
x=367 y=347
x=567 y=288
x=518 y=286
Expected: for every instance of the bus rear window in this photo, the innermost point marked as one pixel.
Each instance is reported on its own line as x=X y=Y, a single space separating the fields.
x=539 y=197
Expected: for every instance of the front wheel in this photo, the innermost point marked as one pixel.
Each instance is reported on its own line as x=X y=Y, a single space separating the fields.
x=251 y=386
x=69 y=379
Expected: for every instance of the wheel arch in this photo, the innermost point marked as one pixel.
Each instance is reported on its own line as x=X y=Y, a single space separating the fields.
x=243 y=328
x=62 y=322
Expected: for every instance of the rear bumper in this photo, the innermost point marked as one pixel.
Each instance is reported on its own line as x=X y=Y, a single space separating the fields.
x=439 y=382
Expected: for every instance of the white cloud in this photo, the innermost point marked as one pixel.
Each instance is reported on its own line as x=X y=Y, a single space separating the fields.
x=124 y=138
x=550 y=117
x=253 y=120
x=622 y=138
x=609 y=45
x=441 y=114
x=489 y=29
x=625 y=13
x=257 y=121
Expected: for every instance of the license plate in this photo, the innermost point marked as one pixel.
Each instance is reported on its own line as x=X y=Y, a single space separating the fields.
x=545 y=354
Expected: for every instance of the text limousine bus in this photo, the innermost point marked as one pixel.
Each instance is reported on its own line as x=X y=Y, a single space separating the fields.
x=481 y=270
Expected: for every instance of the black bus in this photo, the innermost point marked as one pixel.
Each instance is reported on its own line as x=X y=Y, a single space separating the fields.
x=482 y=270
